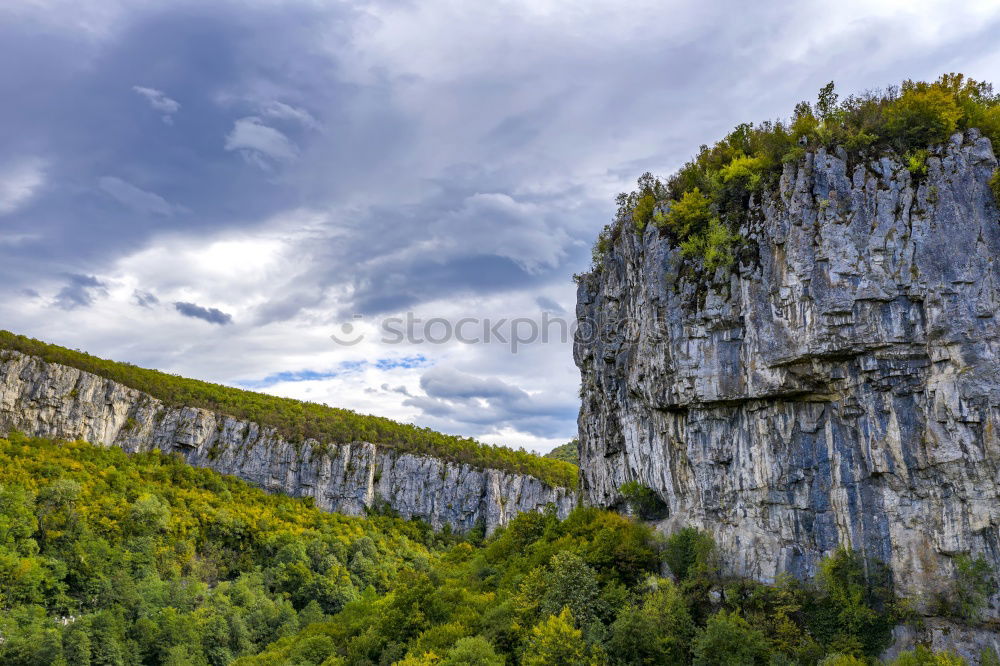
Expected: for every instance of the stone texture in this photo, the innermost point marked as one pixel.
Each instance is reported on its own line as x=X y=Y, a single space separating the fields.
x=939 y=635
x=51 y=400
x=840 y=386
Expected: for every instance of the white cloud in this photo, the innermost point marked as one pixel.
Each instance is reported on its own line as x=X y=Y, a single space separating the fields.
x=19 y=183
x=433 y=161
x=136 y=198
x=282 y=111
x=160 y=102
x=254 y=139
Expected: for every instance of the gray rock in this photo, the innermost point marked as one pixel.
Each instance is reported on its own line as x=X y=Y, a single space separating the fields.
x=50 y=400
x=841 y=385
x=939 y=634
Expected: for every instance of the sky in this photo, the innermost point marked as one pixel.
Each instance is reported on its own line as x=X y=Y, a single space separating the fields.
x=263 y=194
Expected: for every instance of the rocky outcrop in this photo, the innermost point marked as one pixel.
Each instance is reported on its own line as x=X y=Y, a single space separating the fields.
x=50 y=400
x=841 y=385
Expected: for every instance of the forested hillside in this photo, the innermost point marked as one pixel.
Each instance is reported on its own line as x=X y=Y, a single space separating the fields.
x=111 y=559
x=568 y=452
x=297 y=420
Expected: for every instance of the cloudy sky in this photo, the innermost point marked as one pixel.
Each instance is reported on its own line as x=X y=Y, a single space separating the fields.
x=215 y=188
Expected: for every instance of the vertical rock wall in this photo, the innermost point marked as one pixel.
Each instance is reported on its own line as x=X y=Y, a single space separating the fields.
x=840 y=387
x=51 y=400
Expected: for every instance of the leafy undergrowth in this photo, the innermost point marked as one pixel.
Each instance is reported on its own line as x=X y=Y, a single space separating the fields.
x=298 y=421
x=702 y=205
x=107 y=558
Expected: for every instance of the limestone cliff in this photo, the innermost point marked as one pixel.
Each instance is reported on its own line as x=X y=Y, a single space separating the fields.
x=841 y=385
x=51 y=400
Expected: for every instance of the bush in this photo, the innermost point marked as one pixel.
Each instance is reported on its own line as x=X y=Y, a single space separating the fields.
x=643 y=501
x=643 y=211
x=925 y=114
x=744 y=174
x=852 y=610
x=714 y=245
x=729 y=640
x=693 y=222
x=995 y=185
x=687 y=551
x=973 y=584
x=916 y=161
x=922 y=656
x=691 y=214
x=842 y=660
x=987 y=120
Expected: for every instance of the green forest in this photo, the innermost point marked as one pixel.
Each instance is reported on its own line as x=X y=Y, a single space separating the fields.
x=701 y=206
x=568 y=452
x=297 y=420
x=111 y=559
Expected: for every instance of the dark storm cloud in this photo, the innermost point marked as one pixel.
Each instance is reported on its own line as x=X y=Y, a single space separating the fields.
x=490 y=402
x=211 y=315
x=440 y=152
x=408 y=148
x=144 y=298
x=80 y=291
x=116 y=169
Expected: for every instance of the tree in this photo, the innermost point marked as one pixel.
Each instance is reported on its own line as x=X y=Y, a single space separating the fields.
x=657 y=631
x=570 y=583
x=688 y=551
x=17 y=521
x=923 y=115
x=852 y=608
x=691 y=214
x=76 y=646
x=472 y=651
x=58 y=520
x=313 y=650
x=729 y=640
x=556 y=642
x=826 y=105
x=149 y=514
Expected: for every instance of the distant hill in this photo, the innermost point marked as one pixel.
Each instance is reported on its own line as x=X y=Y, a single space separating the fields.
x=298 y=421
x=568 y=452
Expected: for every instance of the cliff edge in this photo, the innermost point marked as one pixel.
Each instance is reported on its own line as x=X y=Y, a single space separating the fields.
x=838 y=385
x=52 y=400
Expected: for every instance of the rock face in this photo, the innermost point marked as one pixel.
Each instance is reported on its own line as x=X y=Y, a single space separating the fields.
x=50 y=400
x=840 y=387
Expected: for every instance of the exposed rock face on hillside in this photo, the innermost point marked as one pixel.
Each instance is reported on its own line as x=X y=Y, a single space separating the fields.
x=840 y=387
x=50 y=400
